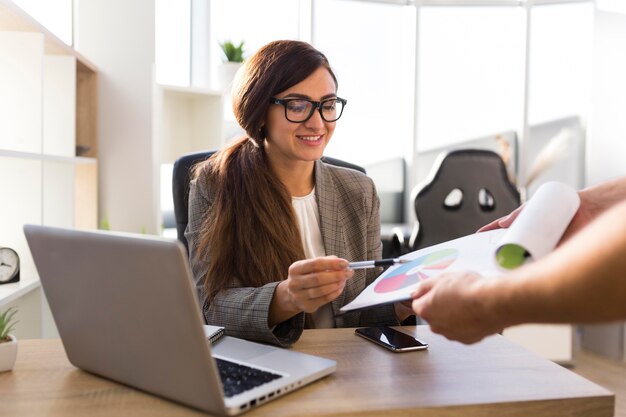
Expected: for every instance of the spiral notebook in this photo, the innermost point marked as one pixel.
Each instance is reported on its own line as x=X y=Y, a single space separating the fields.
x=213 y=333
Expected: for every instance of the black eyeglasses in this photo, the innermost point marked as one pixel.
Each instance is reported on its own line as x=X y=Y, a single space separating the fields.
x=299 y=110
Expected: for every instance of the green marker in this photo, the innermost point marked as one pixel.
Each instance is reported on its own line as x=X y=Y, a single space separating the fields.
x=511 y=256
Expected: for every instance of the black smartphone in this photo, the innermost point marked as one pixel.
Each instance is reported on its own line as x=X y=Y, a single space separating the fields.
x=391 y=339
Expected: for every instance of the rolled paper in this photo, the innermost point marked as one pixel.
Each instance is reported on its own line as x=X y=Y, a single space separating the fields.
x=539 y=227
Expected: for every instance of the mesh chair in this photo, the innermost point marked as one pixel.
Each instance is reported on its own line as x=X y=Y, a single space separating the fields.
x=466 y=189
x=181 y=178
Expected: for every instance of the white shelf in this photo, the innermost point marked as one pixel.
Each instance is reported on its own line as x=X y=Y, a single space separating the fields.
x=191 y=92
x=11 y=292
x=52 y=158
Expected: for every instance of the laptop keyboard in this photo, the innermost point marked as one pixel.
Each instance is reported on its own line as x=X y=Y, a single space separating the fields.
x=238 y=378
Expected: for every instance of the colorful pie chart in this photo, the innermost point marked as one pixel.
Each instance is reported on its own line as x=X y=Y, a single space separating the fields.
x=417 y=270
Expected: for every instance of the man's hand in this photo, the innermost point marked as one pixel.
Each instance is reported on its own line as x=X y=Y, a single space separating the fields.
x=457 y=306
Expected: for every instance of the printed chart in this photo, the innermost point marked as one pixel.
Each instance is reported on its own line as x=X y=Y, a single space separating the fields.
x=417 y=270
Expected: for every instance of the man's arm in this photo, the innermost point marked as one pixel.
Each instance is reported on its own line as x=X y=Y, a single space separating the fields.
x=584 y=280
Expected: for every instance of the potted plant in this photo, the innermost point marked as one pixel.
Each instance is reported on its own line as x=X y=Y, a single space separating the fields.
x=8 y=342
x=233 y=59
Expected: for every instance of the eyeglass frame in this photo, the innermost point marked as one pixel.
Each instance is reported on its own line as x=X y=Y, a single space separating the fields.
x=317 y=105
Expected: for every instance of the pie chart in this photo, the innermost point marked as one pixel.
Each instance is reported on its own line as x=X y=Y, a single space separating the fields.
x=417 y=270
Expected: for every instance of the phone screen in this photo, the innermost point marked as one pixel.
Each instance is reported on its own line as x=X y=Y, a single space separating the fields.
x=391 y=339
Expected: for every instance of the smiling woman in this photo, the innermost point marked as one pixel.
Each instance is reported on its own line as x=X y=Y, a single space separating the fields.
x=271 y=227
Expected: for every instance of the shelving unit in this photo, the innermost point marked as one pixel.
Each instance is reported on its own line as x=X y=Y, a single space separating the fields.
x=191 y=119
x=48 y=150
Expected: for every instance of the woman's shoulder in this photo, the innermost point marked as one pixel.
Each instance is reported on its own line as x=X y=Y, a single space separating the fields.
x=347 y=178
x=203 y=178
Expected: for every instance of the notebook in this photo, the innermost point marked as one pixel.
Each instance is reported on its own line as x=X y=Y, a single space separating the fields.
x=126 y=309
x=212 y=333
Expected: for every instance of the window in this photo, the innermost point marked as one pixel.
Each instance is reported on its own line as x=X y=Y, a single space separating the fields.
x=252 y=21
x=470 y=74
x=371 y=48
x=560 y=61
x=173 y=42
x=418 y=75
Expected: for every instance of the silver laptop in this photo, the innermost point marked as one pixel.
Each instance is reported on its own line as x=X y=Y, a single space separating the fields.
x=126 y=309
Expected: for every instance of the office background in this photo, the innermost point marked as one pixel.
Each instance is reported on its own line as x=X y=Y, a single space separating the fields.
x=419 y=76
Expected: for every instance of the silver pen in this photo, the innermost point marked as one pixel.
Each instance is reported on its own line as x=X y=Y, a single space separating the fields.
x=374 y=264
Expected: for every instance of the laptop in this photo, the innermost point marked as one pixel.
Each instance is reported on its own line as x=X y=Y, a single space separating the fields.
x=126 y=309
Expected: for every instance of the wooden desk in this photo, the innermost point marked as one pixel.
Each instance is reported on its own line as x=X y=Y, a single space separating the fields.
x=492 y=378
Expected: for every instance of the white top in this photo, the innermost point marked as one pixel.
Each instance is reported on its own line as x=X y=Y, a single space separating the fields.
x=308 y=217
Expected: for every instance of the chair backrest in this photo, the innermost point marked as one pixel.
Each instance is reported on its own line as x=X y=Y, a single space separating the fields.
x=466 y=189
x=181 y=177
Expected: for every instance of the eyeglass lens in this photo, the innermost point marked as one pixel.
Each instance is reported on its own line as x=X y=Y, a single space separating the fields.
x=302 y=110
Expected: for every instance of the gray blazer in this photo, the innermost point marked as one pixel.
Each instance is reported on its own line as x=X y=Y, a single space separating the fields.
x=350 y=227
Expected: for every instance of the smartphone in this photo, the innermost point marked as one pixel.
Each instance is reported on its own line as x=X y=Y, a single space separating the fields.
x=391 y=339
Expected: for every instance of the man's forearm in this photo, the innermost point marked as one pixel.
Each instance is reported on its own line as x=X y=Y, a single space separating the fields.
x=605 y=195
x=584 y=280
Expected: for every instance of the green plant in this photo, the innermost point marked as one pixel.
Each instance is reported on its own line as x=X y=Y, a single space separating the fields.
x=7 y=323
x=232 y=53
x=104 y=224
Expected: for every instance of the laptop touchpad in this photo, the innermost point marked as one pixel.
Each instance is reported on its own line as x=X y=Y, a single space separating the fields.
x=230 y=347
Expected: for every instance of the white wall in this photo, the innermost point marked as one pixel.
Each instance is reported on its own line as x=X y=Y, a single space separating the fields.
x=606 y=146
x=118 y=37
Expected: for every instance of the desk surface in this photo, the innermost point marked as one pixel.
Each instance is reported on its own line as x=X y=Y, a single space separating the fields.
x=492 y=378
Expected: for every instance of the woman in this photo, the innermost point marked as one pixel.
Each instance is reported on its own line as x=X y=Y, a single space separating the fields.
x=271 y=226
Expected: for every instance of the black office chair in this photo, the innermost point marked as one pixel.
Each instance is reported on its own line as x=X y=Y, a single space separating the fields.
x=466 y=189
x=181 y=178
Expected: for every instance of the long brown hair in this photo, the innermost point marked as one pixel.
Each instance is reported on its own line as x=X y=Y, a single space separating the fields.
x=251 y=231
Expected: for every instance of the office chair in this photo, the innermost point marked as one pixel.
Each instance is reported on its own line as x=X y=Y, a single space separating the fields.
x=180 y=189
x=465 y=190
x=181 y=178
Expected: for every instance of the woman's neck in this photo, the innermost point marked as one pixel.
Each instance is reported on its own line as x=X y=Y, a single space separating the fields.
x=297 y=177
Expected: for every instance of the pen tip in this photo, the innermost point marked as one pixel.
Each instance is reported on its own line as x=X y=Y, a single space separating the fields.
x=403 y=261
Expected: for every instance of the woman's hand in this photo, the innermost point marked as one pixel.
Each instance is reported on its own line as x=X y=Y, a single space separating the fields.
x=314 y=282
x=311 y=283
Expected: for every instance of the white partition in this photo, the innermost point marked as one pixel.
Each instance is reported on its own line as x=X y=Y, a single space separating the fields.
x=21 y=56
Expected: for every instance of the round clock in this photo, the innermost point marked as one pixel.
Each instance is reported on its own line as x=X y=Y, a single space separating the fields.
x=9 y=266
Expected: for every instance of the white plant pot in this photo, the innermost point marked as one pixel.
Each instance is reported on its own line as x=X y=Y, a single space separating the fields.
x=226 y=74
x=8 y=354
